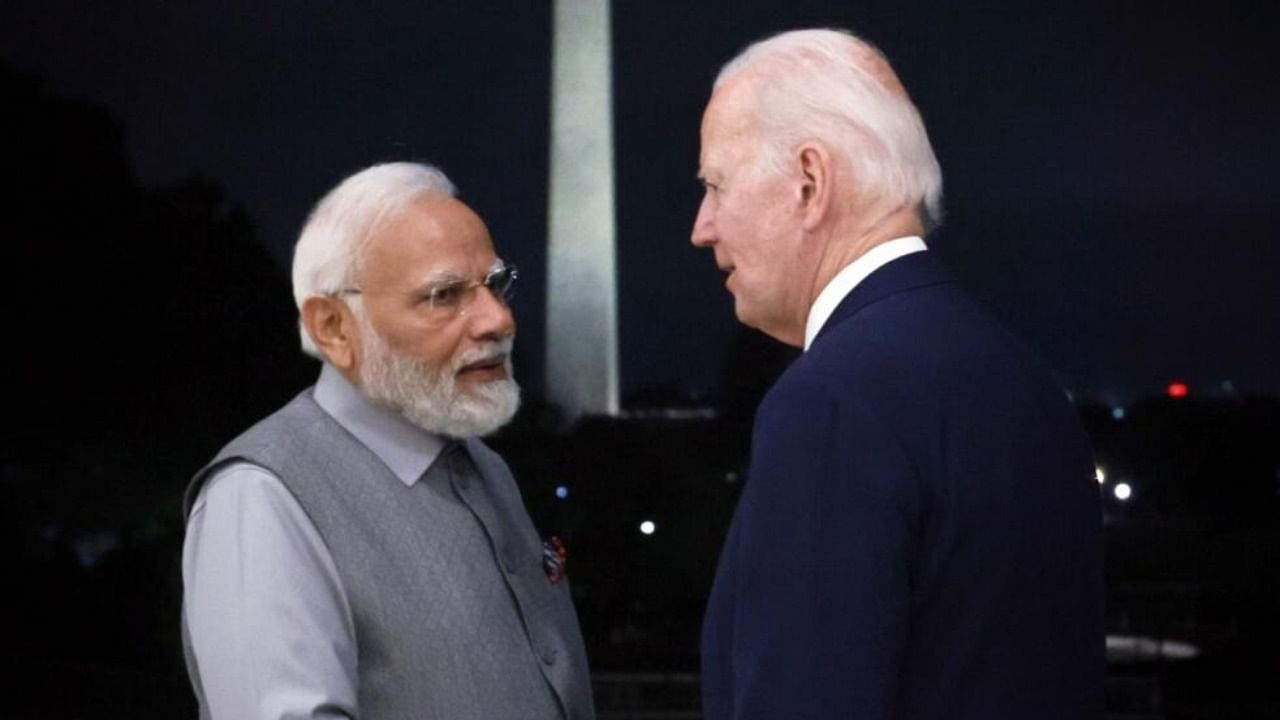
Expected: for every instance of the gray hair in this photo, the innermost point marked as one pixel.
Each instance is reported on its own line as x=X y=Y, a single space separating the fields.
x=822 y=85
x=329 y=250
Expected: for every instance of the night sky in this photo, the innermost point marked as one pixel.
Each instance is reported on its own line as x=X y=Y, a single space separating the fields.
x=1108 y=166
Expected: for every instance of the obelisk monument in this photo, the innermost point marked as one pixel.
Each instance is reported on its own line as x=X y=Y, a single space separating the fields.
x=582 y=315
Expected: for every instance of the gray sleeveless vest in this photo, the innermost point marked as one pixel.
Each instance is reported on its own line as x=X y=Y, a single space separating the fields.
x=454 y=616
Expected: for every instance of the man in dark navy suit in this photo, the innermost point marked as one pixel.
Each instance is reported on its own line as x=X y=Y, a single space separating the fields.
x=920 y=532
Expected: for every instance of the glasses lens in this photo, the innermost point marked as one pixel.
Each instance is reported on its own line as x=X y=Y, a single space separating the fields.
x=502 y=282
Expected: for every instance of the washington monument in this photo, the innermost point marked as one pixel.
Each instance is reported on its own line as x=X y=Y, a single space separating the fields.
x=582 y=315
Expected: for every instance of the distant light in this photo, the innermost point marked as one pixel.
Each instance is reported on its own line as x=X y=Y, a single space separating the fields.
x=647 y=527
x=1137 y=648
x=91 y=547
x=1117 y=413
x=1123 y=491
x=1100 y=474
x=1177 y=389
x=562 y=492
x=1175 y=650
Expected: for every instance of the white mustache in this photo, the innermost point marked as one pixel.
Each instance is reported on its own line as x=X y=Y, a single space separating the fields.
x=486 y=353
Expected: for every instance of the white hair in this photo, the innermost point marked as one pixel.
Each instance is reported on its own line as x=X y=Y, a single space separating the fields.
x=822 y=85
x=329 y=250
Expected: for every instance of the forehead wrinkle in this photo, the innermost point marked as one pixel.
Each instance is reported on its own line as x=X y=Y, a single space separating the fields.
x=730 y=132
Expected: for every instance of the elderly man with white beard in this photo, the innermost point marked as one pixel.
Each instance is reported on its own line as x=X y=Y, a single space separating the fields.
x=360 y=553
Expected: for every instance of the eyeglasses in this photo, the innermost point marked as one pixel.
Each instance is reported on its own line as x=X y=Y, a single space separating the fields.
x=449 y=298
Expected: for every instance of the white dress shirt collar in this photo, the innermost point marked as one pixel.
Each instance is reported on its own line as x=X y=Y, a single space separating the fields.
x=850 y=275
x=405 y=448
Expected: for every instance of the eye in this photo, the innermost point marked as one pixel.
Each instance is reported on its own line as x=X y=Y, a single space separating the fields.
x=445 y=295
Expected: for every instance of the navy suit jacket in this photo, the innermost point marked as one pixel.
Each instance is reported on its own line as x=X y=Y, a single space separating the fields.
x=920 y=534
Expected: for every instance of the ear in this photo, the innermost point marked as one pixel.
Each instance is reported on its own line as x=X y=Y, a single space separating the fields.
x=815 y=188
x=332 y=328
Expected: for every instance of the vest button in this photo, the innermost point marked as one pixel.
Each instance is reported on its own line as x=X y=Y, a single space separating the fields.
x=548 y=656
x=511 y=564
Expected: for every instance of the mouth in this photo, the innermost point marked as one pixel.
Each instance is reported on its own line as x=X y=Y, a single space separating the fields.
x=493 y=367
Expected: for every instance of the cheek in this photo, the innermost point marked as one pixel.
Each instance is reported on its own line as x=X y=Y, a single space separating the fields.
x=435 y=346
x=441 y=350
x=736 y=223
x=757 y=212
x=754 y=242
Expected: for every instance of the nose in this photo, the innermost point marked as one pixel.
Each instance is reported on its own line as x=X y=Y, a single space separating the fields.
x=704 y=231
x=489 y=317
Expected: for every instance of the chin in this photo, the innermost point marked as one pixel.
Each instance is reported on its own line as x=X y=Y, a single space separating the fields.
x=779 y=331
x=481 y=409
x=745 y=316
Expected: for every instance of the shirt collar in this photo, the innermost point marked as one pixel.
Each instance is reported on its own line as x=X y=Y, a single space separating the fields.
x=850 y=275
x=405 y=448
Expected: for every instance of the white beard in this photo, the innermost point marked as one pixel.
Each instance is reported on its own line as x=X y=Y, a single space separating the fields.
x=430 y=396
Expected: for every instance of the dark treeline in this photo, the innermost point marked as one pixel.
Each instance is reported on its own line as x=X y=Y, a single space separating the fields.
x=146 y=328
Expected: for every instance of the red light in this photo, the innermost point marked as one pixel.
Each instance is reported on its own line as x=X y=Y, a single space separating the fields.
x=1177 y=389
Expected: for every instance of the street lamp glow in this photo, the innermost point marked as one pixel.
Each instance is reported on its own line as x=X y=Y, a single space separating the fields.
x=647 y=527
x=1100 y=474
x=562 y=492
x=1123 y=492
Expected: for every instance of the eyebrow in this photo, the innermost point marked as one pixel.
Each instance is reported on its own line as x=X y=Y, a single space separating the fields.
x=438 y=275
x=436 y=278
